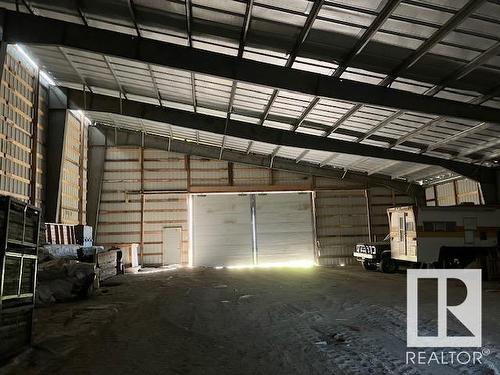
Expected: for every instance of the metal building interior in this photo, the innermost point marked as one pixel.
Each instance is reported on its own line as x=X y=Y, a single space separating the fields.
x=228 y=158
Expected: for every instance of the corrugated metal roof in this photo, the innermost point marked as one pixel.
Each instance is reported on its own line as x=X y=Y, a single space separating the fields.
x=274 y=27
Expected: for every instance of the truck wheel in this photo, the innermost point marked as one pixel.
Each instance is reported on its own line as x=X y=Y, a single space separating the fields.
x=369 y=266
x=388 y=265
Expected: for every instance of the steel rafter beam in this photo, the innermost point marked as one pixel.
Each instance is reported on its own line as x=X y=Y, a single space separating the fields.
x=434 y=39
x=249 y=147
x=301 y=156
x=361 y=43
x=115 y=77
x=245 y=28
x=462 y=134
x=122 y=137
x=188 y=6
x=81 y=13
x=476 y=101
x=24 y=28
x=484 y=146
x=131 y=8
x=305 y=113
x=241 y=49
x=133 y=16
x=269 y=104
x=73 y=66
x=189 y=21
x=28 y=7
x=239 y=129
x=328 y=159
x=414 y=57
x=155 y=86
x=491 y=156
x=304 y=33
x=455 y=76
x=356 y=50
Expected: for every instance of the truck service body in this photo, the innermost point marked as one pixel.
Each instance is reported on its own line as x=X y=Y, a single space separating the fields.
x=419 y=235
x=444 y=237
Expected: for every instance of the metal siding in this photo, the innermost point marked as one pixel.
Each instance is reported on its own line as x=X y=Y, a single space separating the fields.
x=429 y=195
x=445 y=194
x=468 y=191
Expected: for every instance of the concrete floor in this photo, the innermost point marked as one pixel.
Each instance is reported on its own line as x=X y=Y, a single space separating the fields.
x=206 y=321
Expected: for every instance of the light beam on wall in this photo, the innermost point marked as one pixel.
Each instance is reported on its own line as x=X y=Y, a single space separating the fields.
x=30 y=61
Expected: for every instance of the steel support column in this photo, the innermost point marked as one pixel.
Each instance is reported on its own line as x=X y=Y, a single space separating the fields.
x=56 y=134
x=95 y=171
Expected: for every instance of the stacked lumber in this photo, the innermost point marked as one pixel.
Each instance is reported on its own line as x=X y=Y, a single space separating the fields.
x=108 y=264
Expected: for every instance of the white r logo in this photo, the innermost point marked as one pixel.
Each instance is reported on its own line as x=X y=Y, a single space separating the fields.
x=468 y=312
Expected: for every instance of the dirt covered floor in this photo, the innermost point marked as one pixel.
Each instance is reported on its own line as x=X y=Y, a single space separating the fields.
x=279 y=321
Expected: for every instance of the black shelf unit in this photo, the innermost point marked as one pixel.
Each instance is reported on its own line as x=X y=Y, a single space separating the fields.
x=19 y=238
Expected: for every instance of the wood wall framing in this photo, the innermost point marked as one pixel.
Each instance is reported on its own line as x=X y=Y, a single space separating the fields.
x=73 y=201
x=142 y=195
x=19 y=129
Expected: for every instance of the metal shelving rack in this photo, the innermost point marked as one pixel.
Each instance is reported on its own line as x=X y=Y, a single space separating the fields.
x=19 y=237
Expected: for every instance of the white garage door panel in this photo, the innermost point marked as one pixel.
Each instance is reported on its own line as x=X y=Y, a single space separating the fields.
x=222 y=230
x=284 y=228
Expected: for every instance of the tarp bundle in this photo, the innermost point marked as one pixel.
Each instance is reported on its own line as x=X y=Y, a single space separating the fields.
x=64 y=279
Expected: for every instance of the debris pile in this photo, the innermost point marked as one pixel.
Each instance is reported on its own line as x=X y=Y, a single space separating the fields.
x=66 y=272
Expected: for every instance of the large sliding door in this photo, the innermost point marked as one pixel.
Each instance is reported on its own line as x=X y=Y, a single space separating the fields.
x=254 y=229
x=285 y=230
x=222 y=230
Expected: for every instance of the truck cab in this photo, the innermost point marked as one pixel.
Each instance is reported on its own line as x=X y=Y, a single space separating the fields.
x=374 y=255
